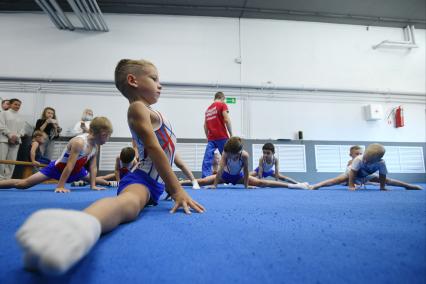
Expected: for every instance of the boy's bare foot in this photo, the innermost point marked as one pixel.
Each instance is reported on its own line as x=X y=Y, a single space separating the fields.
x=414 y=187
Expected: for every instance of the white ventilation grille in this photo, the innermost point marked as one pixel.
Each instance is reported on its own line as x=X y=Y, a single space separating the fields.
x=58 y=149
x=292 y=158
x=192 y=154
x=110 y=151
x=401 y=159
x=332 y=158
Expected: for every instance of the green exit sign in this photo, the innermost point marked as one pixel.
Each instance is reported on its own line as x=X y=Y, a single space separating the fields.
x=231 y=100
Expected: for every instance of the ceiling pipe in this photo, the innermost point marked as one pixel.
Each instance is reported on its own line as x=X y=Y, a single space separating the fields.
x=52 y=13
x=62 y=15
x=98 y=13
x=80 y=7
x=77 y=12
x=89 y=15
x=52 y=18
x=84 y=14
x=95 y=15
x=408 y=42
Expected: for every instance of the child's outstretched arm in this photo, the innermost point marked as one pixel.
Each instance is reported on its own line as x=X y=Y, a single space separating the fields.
x=277 y=169
x=186 y=171
x=260 y=168
x=245 y=170
x=351 y=179
x=76 y=146
x=382 y=181
x=117 y=168
x=33 y=150
x=140 y=120
x=93 y=173
x=222 y=164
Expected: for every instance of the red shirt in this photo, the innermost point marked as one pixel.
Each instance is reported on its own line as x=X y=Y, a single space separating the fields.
x=214 y=121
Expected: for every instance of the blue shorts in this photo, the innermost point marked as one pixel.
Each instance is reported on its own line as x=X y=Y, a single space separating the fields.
x=265 y=174
x=140 y=177
x=52 y=172
x=234 y=179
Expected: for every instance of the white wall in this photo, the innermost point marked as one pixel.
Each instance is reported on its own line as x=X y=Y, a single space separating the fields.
x=202 y=50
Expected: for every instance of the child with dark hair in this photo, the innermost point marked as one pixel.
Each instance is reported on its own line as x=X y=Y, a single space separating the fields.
x=233 y=168
x=269 y=165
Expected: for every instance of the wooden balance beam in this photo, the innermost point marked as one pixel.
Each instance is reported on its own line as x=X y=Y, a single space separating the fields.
x=27 y=168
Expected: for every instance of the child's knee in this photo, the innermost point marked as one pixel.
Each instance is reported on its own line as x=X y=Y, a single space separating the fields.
x=22 y=184
x=131 y=208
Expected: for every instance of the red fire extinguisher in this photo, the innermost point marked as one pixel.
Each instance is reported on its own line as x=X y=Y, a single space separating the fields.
x=399 y=117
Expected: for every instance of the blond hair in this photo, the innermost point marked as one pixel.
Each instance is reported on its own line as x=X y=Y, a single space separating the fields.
x=374 y=151
x=126 y=67
x=99 y=124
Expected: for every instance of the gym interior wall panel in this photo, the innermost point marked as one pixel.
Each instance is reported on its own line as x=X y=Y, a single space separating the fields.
x=69 y=108
x=282 y=119
x=185 y=49
x=322 y=55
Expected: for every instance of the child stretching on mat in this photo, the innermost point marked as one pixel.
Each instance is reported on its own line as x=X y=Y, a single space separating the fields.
x=124 y=163
x=36 y=154
x=354 y=152
x=53 y=240
x=267 y=163
x=69 y=167
x=363 y=169
x=233 y=168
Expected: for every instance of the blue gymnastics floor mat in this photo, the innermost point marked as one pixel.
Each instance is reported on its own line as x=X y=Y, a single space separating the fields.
x=246 y=236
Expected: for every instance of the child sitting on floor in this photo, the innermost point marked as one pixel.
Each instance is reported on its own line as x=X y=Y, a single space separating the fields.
x=269 y=165
x=69 y=167
x=233 y=168
x=363 y=169
x=37 y=151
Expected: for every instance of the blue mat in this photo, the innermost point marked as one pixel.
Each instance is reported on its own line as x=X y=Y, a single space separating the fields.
x=257 y=236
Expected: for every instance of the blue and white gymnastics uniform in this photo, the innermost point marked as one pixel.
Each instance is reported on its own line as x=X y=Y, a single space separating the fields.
x=232 y=172
x=55 y=168
x=145 y=172
x=366 y=172
x=268 y=169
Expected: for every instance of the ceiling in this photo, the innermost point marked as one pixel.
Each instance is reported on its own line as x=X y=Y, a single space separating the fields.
x=392 y=13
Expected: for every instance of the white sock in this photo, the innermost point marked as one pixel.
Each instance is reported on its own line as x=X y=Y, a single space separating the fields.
x=195 y=184
x=300 y=185
x=53 y=240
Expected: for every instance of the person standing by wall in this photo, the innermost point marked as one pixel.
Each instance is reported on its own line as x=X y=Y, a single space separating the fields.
x=49 y=125
x=12 y=128
x=83 y=125
x=218 y=129
x=5 y=105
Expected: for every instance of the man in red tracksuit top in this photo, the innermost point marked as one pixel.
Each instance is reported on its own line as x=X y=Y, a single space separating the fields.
x=217 y=126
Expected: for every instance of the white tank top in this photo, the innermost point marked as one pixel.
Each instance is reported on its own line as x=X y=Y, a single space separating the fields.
x=82 y=158
x=268 y=167
x=234 y=167
x=167 y=140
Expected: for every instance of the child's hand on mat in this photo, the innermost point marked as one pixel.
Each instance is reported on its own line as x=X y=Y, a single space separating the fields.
x=251 y=187
x=352 y=188
x=182 y=199
x=97 y=188
x=62 y=190
x=211 y=187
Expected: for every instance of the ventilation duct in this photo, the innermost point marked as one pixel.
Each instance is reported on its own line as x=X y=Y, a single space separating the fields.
x=86 y=11
x=408 y=42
